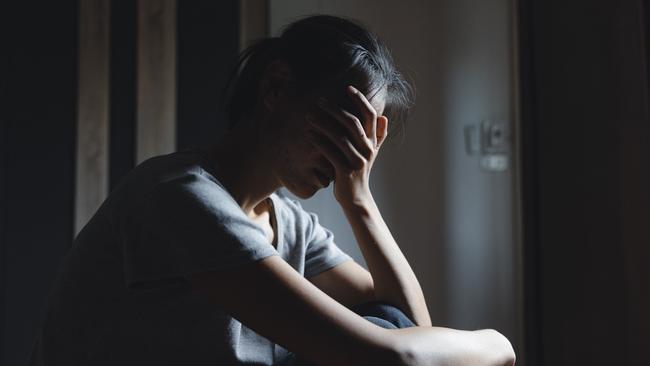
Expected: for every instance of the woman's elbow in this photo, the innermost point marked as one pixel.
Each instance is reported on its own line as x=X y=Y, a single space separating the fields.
x=505 y=354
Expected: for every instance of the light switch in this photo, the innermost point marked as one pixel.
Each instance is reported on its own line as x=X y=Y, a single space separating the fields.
x=494 y=137
x=491 y=142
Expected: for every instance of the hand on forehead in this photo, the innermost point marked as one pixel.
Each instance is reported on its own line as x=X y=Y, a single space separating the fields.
x=345 y=98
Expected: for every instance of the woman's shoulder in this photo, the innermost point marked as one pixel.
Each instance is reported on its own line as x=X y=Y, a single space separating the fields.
x=160 y=169
x=162 y=178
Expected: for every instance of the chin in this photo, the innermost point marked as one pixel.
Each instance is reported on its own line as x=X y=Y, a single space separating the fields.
x=305 y=191
x=306 y=194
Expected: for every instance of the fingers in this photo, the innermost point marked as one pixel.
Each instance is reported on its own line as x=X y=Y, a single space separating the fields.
x=382 y=130
x=332 y=155
x=326 y=166
x=345 y=140
x=368 y=111
x=337 y=147
x=350 y=124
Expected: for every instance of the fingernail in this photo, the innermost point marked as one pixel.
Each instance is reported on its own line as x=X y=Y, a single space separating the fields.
x=353 y=89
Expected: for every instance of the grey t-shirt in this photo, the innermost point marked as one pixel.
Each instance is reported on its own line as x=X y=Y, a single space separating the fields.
x=119 y=297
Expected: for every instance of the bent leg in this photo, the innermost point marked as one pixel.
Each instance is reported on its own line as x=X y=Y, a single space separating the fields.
x=384 y=311
x=376 y=312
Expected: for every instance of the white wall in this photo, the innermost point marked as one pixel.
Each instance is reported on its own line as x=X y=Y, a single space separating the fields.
x=454 y=221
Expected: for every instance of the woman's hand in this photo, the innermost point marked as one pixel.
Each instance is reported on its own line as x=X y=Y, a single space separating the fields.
x=351 y=144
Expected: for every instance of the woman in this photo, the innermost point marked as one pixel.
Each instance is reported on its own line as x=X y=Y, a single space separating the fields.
x=194 y=259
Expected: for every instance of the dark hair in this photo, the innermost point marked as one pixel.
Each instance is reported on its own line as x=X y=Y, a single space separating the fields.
x=324 y=53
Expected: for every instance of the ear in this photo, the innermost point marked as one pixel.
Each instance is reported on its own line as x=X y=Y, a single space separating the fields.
x=274 y=83
x=382 y=130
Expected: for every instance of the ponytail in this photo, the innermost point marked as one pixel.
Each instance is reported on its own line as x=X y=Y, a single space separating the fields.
x=241 y=88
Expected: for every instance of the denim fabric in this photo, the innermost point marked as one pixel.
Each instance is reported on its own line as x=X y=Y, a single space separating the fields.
x=378 y=309
x=377 y=312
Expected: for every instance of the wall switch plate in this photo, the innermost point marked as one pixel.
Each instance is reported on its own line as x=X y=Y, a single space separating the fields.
x=495 y=162
x=494 y=137
x=472 y=140
x=489 y=140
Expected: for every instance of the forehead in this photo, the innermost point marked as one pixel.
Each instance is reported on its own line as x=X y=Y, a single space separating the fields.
x=378 y=100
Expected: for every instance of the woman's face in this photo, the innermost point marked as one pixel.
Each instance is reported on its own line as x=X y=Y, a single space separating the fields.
x=299 y=165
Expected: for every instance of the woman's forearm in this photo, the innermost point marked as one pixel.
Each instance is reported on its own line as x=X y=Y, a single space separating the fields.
x=395 y=283
x=440 y=346
x=394 y=280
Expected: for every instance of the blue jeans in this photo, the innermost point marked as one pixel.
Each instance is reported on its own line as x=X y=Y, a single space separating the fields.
x=377 y=312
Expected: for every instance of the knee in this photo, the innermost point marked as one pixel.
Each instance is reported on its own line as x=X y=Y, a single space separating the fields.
x=384 y=311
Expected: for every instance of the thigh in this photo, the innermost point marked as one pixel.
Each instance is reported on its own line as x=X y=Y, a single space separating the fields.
x=382 y=310
x=380 y=322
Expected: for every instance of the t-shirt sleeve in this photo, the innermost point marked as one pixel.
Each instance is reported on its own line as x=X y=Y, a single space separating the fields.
x=188 y=225
x=322 y=253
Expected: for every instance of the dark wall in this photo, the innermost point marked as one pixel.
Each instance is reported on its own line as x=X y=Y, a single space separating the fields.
x=38 y=104
x=586 y=140
x=122 y=94
x=208 y=44
x=38 y=115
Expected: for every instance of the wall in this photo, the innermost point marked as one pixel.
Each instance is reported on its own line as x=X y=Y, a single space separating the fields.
x=38 y=87
x=455 y=222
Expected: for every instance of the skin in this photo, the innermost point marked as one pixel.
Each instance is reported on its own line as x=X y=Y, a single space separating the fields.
x=278 y=150
x=287 y=138
x=297 y=135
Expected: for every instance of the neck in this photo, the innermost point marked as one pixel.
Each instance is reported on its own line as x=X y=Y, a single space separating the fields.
x=245 y=170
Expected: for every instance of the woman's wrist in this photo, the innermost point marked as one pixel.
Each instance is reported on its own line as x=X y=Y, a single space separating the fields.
x=362 y=202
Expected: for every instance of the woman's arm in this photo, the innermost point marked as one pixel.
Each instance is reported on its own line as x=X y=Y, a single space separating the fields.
x=274 y=300
x=451 y=347
x=393 y=278
x=351 y=144
x=352 y=157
